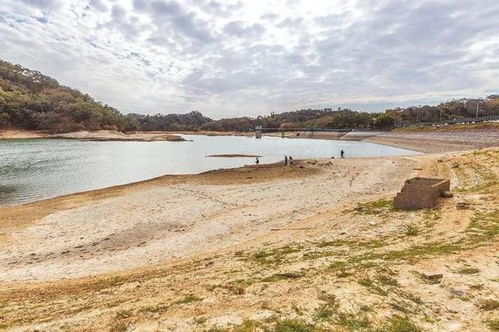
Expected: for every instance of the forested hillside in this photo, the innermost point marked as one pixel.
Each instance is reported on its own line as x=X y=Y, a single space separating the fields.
x=450 y=110
x=308 y=118
x=190 y=121
x=31 y=100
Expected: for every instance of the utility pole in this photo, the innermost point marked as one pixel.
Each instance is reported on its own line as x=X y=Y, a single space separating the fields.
x=477 y=108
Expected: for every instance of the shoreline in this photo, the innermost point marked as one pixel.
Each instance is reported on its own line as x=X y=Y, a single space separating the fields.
x=13 y=215
x=99 y=136
x=111 y=230
x=383 y=138
x=421 y=141
x=250 y=243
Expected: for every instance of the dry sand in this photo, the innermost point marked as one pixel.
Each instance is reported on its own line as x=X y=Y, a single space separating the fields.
x=316 y=243
x=427 y=141
x=173 y=217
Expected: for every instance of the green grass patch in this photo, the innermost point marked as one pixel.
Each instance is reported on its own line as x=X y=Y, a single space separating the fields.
x=483 y=226
x=294 y=325
x=468 y=270
x=247 y=326
x=489 y=305
x=328 y=308
x=334 y=243
x=159 y=308
x=318 y=254
x=353 y=321
x=411 y=230
x=120 y=327
x=122 y=314
x=371 y=285
x=382 y=206
x=431 y=216
x=387 y=280
x=399 y=324
x=188 y=299
x=493 y=324
x=274 y=256
x=402 y=306
x=337 y=265
x=282 y=276
x=409 y=296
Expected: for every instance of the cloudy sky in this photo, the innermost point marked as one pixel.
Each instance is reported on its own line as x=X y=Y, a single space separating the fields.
x=234 y=58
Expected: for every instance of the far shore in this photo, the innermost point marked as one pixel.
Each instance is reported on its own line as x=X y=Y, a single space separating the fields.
x=422 y=141
x=98 y=135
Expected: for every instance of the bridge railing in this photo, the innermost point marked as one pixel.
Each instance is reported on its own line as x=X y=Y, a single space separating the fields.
x=302 y=129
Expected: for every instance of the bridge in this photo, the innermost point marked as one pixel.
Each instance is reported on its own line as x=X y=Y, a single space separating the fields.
x=268 y=130
x=260 y=130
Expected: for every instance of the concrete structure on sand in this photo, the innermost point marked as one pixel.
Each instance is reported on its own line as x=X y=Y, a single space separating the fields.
x=420 y=193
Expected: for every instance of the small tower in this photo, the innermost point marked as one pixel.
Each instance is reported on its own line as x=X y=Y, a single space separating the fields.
x=258 y=132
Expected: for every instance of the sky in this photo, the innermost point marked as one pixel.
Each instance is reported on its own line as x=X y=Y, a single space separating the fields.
x=229 y=58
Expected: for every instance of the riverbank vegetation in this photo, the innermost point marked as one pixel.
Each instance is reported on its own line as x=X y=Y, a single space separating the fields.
x=33 y=101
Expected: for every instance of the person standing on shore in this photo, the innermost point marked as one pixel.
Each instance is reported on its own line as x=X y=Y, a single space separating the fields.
x=342 y=154
x=285 y=160
x=290 y=161
x=257 y=161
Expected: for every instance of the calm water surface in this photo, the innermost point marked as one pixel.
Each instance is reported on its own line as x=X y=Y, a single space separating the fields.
x=31 y=170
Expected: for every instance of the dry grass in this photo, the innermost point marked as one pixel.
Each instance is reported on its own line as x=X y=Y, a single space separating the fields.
x=339 y=275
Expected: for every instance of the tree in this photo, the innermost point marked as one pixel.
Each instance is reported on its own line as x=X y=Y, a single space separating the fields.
x=384 y=121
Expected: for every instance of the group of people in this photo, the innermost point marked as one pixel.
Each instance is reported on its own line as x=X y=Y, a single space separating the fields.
x=288 y=160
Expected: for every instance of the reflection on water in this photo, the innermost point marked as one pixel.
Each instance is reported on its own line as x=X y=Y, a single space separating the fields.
x=37 y=169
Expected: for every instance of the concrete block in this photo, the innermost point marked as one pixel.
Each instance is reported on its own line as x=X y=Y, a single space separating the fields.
x=420 y=193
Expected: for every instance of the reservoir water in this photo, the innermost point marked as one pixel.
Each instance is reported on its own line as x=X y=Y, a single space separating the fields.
x=37 y=169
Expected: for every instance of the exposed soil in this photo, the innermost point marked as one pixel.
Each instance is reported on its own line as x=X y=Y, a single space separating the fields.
x=314 y=246
x=99 y=135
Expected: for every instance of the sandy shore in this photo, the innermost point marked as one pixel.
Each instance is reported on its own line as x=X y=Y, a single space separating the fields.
x=431 y=142
x=423 y=141
x=313 y=245
x=99 y=135
x=271 y=246
x=177 y=216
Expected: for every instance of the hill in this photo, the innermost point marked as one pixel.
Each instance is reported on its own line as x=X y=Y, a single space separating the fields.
x=33 y=101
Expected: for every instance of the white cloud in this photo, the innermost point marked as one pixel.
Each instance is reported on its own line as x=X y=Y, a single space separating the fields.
x=233 y=58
